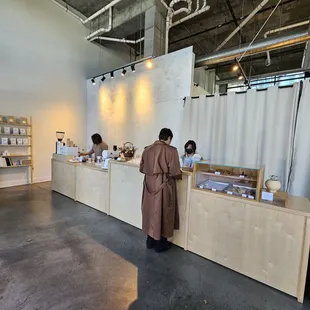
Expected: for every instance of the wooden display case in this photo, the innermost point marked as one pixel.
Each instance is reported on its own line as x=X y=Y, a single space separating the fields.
x=226 y=179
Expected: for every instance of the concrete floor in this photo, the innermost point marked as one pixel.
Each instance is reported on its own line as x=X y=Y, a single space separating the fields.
x=59 y=254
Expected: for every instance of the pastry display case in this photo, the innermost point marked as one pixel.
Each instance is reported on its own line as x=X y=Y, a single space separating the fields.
x=236 y=180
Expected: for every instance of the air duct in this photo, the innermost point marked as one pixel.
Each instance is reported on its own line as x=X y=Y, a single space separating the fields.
x=260 y=46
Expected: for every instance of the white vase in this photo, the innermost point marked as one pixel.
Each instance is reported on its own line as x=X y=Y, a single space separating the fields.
x=272 y=185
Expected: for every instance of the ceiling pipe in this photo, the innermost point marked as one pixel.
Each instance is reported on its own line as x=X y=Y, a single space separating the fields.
x=260 y=46
x=102 y=30
x=84 y=21
x=117 y=40
x=242 y=24
x=268 y=61
x=182 y=20
x=105 y=8
x=68 y=9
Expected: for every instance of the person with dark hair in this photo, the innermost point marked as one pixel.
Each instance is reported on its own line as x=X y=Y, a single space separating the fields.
x=161 y=168
x=98 y=146
x=190 y=156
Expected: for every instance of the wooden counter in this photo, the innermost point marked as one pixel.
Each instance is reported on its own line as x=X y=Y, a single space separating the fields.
x=265 y=242
x=86 y=183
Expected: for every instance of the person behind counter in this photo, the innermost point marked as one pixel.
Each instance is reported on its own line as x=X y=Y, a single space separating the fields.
x=190 y=156
x=98 y=146
x=161 y=167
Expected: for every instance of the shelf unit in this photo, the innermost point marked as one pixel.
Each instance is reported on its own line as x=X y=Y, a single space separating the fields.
x=29 y=146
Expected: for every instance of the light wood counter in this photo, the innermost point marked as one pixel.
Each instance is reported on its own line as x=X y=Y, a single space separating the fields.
x=267 y=243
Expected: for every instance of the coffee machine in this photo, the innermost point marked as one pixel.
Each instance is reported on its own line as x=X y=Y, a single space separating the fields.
x=60 y=136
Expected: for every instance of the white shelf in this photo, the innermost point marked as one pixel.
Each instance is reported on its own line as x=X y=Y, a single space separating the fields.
x=12 y=135
x=21 y=155
x=14 y=124
x=16 y=166
x=17 y=145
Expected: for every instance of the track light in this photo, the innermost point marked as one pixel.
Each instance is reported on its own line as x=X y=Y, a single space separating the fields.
x=133 y=69
x=240 y=76
x=112 y=75
x=124 y=72
x=235 y=68
x=93 y=81
x=103 y=78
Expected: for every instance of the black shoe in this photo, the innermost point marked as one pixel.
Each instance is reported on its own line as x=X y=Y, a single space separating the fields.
x=162 y=245
x=150 y=242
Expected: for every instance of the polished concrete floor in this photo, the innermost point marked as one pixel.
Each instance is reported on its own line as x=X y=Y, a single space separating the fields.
x=59 y=254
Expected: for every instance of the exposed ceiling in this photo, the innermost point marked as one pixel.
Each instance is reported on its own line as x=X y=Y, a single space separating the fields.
x=206 y=31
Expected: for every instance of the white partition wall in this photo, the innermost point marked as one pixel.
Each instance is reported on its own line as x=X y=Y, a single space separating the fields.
x=136 y=106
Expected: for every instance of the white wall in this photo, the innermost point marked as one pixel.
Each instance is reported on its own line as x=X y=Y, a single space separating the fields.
x=45 y=61
x=135 y=107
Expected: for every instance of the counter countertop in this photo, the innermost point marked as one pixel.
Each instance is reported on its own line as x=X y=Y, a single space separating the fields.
x=297 y=205
x=83 y=165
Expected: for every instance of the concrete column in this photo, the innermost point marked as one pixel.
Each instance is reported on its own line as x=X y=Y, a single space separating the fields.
x=155 y=25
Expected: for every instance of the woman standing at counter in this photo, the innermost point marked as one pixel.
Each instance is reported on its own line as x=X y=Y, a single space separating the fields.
x=98 y=146
x=190 y=156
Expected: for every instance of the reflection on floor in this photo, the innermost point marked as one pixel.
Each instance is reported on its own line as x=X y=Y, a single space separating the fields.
x=59 y=254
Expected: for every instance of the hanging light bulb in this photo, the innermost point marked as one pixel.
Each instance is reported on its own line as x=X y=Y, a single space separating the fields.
x=112 y=75
x=124 y=72
x=133 y=69
x=235 y=68
x=103 y=78
x=93 y=81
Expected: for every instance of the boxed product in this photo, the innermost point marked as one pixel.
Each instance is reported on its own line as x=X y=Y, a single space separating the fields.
x=13 y=141
x=15 y=131
x=4 y=141
x=19 y=141
x=22 y=131
x=23 y=120
x=11 y=119
x=26 y=141
x=25 y=162
x=6 y=130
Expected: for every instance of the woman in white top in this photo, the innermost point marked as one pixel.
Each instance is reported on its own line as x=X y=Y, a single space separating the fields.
x=190 y=156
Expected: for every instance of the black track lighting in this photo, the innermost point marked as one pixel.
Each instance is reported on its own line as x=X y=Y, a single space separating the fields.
x=133 y=69
x=93 y=81
x=112 y=75
x=103 y=78
x=124 y=72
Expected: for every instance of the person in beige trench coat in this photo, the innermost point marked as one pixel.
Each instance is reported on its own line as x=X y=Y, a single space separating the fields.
x=161 y=167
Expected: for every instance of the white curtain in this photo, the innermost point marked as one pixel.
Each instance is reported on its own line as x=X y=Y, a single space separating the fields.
x=248 y=128
x=300 y=179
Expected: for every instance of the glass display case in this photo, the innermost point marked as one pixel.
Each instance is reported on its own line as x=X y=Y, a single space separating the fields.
x=243 y=181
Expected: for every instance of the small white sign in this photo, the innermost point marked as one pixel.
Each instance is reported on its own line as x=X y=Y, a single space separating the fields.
x=251 y=197
x=217 y=173
x=267 y=196
x=244 y=195
x=242 y=176
x=229 y=193
x=213 y=189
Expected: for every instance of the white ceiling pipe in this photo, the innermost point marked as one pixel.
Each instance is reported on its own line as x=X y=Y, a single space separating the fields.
x=170 y=15
x=117 y=40
x=242 y=24
x=204 y=4
x=67 y=9
x=197 y=5
x=105 y=8
x=165 y=4
x=268 y=61
x=205 y=9
x=102 y=30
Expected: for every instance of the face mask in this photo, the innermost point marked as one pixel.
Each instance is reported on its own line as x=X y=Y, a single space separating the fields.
x=189 y=151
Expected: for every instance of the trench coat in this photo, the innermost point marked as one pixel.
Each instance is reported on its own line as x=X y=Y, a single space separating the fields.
x=161 y=167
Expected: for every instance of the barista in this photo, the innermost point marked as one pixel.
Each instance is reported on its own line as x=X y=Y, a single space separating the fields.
x=190 y=156
x=98 y=146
